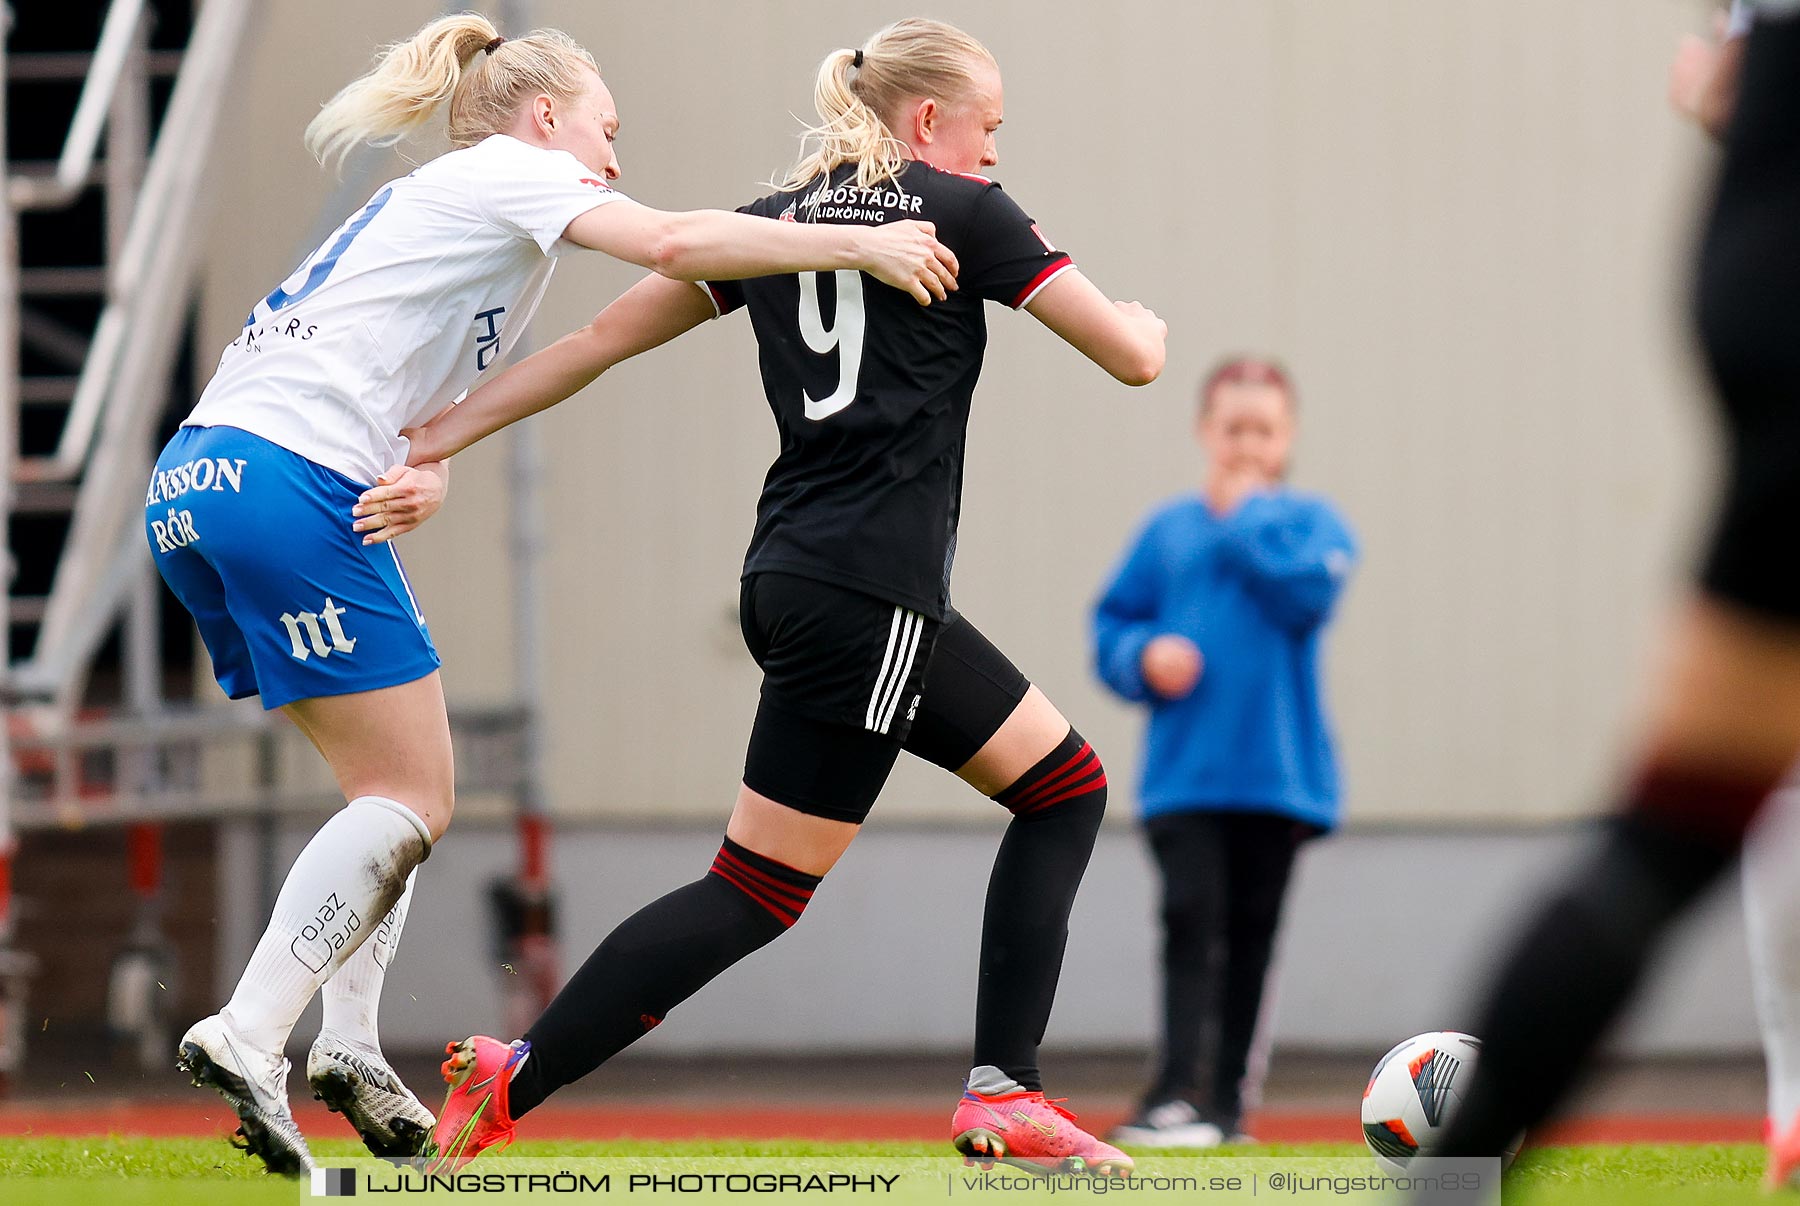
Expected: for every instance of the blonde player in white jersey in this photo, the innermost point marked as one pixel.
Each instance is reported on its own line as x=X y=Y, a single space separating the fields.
x=270 y=509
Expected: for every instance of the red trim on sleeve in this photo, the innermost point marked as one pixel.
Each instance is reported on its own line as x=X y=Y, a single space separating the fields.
x=1051 y=269
x=720 y=303
x=978 y=178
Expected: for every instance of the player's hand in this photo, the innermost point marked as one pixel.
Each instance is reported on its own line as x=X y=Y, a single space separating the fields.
x=908 y=256
x=1703 y=79
x=1171 y=666
x=1145 y=317
x=1230 y=485
x=400 y=500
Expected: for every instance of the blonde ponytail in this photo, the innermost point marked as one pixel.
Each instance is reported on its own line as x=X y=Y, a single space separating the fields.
x=460 y=60
x=916 y=57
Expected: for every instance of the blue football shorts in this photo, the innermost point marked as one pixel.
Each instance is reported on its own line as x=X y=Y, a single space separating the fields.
x=256 y=542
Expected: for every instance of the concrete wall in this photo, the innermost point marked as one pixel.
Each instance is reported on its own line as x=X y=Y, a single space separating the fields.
x=1387 y=936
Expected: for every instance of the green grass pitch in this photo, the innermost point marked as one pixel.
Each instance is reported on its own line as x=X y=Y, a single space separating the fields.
x=124 y=1171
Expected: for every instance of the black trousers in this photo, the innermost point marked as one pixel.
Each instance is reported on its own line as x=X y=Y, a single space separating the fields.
x=1224 y=880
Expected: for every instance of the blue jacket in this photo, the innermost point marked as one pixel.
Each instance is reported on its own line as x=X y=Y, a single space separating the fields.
x=1253 y=590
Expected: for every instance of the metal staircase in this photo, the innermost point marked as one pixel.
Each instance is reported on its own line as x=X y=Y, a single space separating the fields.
x=102 y=415
x=97 y=260
x=79 y=361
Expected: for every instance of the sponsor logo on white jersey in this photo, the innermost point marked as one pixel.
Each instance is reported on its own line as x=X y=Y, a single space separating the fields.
x=487 y=338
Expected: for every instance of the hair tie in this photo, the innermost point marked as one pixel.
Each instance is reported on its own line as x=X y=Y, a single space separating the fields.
x=857 y=61
x=491 y=47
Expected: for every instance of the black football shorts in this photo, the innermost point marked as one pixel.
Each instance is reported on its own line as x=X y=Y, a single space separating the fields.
x=850 y=680
x=836 y=655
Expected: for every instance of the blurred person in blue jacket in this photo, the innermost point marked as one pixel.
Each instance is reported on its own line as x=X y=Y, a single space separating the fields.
x=1214 y=621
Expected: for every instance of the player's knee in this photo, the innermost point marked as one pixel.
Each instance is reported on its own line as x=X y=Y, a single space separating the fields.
x=1068 y=780
x=433 y=809
x=439 y=822
x=448 y=805
x=1686 y=816
x=389 y=810
x=776 y=892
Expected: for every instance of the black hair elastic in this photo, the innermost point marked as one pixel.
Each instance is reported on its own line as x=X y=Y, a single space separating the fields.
x=491 y=47
x=857 y=61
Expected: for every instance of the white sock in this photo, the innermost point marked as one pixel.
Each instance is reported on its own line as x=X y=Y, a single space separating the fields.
x=1771 y=875
x=353 y=996
x=350 y=874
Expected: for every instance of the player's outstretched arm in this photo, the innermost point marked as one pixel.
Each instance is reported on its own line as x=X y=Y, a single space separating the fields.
x=648 y=315
x=711 y=244
x=1124 y=338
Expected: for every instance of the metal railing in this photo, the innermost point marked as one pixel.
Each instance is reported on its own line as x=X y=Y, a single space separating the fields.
x=125 y=380
x=119 y=38
x=114 y=98
x=9 y=438
x=491 y=760
x=151 y=212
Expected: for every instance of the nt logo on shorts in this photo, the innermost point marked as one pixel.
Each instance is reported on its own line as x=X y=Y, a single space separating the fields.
x=317 y=626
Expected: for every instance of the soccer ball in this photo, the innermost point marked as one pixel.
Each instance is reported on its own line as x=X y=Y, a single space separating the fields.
x=1413 y=1093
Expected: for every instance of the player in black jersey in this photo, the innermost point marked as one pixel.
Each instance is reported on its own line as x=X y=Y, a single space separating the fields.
x=845 y=596
x=1725 y=723
x=872 y=401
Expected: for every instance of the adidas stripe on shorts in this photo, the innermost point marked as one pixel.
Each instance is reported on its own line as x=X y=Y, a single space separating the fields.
x=850 y=680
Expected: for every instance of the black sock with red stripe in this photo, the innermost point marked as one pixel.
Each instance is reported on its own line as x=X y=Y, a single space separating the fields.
x=1056 y=807
x=656 y=959
x=782 y=891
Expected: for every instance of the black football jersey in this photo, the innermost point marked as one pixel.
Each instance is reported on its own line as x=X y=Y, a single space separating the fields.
x=871 y=390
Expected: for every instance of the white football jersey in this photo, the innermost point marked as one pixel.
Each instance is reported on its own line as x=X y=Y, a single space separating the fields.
x=403 y=306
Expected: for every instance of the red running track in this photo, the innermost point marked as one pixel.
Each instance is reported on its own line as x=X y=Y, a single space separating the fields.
x=815 y=1122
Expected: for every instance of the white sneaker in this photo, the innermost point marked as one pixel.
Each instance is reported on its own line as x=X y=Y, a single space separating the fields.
x=355 y=1081
x=1168 y=1124
x=254 y=1082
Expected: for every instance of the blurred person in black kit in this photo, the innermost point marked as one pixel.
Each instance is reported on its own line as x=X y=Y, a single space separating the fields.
x=1724 y=724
